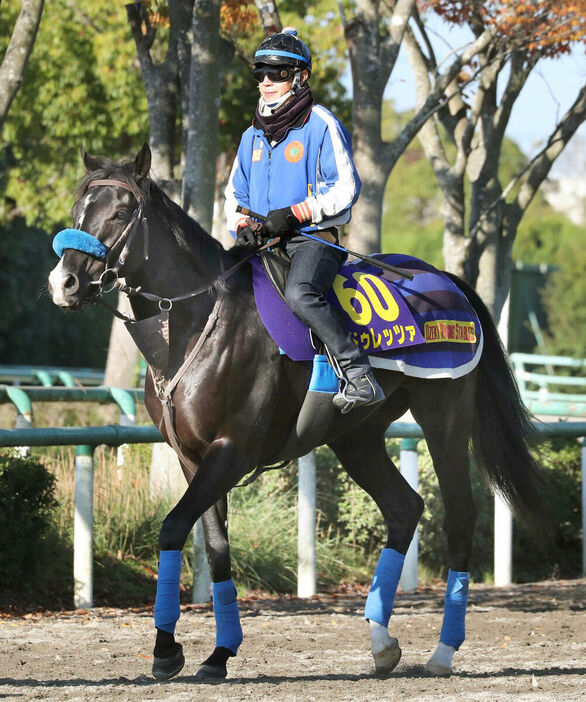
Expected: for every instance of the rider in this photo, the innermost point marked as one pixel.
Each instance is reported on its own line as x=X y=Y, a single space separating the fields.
x=294 y=165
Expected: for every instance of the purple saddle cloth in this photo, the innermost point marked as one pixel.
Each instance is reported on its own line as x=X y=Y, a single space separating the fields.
x=423 y=327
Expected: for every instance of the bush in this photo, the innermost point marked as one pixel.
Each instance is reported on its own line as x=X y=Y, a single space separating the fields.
x=558 y=554
x=27 y=500
x=358 y=522
x=32 y=329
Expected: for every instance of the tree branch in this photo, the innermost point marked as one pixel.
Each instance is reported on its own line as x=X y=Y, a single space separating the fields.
x=430 y=136
x=269 y=16
x=137 y=17
x=402 y=11
x=430 y=59
x=18 y=53
x=86 y=19
x=518 y=75
x=540 y=165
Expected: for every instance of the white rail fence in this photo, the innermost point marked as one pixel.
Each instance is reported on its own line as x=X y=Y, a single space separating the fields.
x=87 y=438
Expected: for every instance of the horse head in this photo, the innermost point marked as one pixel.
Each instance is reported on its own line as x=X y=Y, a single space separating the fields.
x=103 y=218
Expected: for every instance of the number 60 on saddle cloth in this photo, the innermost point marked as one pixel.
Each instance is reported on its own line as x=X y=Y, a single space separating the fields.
x=423 y=327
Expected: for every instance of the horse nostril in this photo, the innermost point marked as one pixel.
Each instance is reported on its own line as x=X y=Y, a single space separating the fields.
x=71 y=283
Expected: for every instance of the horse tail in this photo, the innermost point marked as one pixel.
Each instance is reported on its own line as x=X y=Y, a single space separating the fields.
x=503 y=433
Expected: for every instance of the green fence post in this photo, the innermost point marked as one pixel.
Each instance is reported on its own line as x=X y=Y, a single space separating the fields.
x=66 y=378
x=44 y=378
x=125 y=402
x=24 y=408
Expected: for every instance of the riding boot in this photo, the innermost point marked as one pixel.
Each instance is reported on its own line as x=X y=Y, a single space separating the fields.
x=359 y=391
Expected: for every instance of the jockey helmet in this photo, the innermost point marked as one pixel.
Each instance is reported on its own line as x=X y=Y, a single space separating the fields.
x=284 y=49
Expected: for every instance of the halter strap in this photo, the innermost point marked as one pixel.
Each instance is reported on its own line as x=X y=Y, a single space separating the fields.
x=118 y=183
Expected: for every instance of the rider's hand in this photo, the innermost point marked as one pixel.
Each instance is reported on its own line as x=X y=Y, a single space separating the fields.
x=249 y=234
x=281 y=223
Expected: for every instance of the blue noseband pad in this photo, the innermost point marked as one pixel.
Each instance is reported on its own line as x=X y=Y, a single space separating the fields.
x=79 y=240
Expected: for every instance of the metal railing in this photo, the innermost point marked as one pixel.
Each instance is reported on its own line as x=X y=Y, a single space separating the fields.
x=50 y=375
x=87 y=438
x=542 y=391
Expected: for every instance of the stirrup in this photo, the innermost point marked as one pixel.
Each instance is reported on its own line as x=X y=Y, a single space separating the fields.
x=346 y=402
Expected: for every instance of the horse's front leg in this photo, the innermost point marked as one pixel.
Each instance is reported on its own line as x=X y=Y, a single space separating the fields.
x=228 y=628
x=220 y=469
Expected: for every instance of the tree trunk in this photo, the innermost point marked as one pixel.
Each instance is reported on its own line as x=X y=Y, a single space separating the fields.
x=18 y=53
x=122 y=352
x=199 y=178
x=269 y=16
x=455 y=242
x=161 y=82
x=373 y=47
x=220 y=226
x=365 y=229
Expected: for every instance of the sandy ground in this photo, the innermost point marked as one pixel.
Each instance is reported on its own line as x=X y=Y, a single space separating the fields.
x=525 y=643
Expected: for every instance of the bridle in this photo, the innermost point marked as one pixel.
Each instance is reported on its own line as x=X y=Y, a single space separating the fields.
x=110 y=279
x=118 y=253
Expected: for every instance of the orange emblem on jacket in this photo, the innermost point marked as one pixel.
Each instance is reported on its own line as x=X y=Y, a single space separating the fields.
x=294 y=151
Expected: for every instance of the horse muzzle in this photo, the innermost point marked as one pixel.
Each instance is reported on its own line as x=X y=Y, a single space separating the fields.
x=69 y=290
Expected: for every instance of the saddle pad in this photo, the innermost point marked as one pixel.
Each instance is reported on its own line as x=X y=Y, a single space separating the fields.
x=423 y=327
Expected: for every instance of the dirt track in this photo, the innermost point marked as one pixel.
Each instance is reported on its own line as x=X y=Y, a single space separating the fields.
x=526 y=641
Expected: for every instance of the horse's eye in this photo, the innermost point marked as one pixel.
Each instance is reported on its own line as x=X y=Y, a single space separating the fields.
x=121 y=214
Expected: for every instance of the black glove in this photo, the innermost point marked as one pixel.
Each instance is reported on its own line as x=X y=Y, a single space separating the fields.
x=249 y=234
x=280 y=223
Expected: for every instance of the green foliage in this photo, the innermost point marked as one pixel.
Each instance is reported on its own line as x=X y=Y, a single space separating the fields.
x=563 y=299
x=32 y=329
x=547 y=237
x=263 y=535
x=412 y=219
x=326 y=42
x=27 y=499
x=558 y=553
x=82 y=85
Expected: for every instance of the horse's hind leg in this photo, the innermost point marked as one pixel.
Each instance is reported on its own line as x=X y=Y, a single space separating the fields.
x=446 y=417
x=363 y=454
x=228 y=629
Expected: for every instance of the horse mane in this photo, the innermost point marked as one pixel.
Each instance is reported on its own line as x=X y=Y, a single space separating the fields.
x=189 y=235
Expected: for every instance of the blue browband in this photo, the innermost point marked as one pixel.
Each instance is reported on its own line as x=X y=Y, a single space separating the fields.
x=82 y=241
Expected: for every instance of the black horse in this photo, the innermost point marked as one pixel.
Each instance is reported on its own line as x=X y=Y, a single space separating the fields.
x=228 y=402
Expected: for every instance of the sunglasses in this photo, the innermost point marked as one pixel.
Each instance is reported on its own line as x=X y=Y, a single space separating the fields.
x=278 y=74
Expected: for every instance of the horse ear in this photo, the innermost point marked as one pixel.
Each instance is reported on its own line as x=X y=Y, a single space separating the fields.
x=142 y=162
x=92 y=163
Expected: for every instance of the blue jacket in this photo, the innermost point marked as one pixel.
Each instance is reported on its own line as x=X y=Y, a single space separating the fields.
x=311 y=168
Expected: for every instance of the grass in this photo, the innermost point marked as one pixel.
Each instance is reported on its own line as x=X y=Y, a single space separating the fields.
x=127 y=520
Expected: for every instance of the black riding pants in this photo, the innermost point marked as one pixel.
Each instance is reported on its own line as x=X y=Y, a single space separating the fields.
x=314 y=266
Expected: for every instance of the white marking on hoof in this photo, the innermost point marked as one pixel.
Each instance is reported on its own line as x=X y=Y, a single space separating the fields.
x=385 y=649
x=441 y=661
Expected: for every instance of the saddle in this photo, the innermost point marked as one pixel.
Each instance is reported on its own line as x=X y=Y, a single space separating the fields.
x=277 y=265
x=423 y=327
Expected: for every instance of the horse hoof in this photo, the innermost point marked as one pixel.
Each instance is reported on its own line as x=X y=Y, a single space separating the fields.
x=167 y=668
x=439 y=669
x=440 y=663
x=211 y=672
x=386 y=661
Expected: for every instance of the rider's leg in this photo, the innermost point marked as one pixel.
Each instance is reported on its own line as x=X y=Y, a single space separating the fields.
x=313 y=268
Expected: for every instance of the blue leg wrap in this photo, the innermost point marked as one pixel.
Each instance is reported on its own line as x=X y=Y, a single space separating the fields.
x=167 y=601
x=228 y=629
x=454 y=628
x=379 y=603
